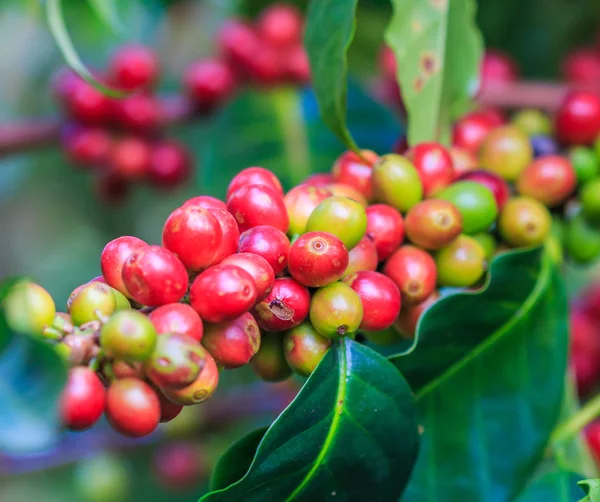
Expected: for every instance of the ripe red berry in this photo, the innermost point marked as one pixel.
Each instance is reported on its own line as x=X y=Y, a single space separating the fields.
x=582 y=67
x=87 y=146
x=267 y=67
x=355 y=171
x=132 y=407
x=414 y=272
x=238 y=44
x=259 y=268
x=254 y=176
x=317 y=259
x=222 y=293
x=380 y=298
x=179 y=466
x=549 y=179
x=286 y=306
x=206 y=201
x=363 y=256
x=83 y=102
x=498 y=68
x=592 y=435
x=280 y=25
x=268 y=242
x=168 y=409
x=233 y=343
x=258 y=205
x=82 y=400
x=154 y=276
x=434 y=164
x=209 y=83
x=463 y=160
x=300 y=201
x=139 y=113
x=296 y=65
x=471 y=130
x=170 y=164
x=113 y=258
x=130 y=158
x=134 y=67
x=194 y=235
x=577 y=120
x=385 y=227
x=200 y=389
x=230 y=231
x=387 y=62
x=319 y=179
x=177 y=318
x=495 y=183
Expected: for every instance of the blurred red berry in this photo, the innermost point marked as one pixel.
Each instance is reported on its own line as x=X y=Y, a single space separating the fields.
x=280 y=25
x=130 y=158
x=582 y=67
x=209 y=83
x=170 y=164
x=140 y=112
x=498 y=68
x=87 y=146
x=134 y=67
x=578 y=118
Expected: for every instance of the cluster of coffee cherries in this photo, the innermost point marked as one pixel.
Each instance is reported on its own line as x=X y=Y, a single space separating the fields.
x=123 y=141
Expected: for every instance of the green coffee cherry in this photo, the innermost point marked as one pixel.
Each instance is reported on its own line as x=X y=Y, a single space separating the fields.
x=590 y=200
x=304 y=348
x=29 y=309
x=585 y=163
x=461 y=263
x=396 y=182
x=92 y=302
x=121 y=300
x=128 y=335
x=524 y=222
x=582 y=240
x=488 y=243
x=475 y=202
x=336 y=310
x=532 y=122
x=340 y=216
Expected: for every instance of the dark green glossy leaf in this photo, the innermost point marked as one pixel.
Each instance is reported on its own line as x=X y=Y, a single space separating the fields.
x=108 y=13
x=554 y=486
x=592 y=488
x=330 y=26
x=438 y=48
x=351 y=428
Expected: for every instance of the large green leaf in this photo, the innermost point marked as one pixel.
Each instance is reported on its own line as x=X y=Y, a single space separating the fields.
x=592 y=489
x=488 y=374
x=553 y=486
x=438 y=48
x=282 y=131
x=351 y=433
x=330 y=26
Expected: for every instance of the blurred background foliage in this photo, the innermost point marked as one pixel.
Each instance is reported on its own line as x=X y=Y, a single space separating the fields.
x=53 y=228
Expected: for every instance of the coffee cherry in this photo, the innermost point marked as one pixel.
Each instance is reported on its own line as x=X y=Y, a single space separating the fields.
x=543 y=145
x=280 y=25
x=256 y=205
x=355 y=171
x=385 y=227
x=266 y=68
x=361 y=257
x=139 y=113
x=84 y=103
x=230 y=234
x=170 y=164
x=471 y=131
x=286 y=306
x=344 y=218
x=130 y=158
x=222 y=293
x=434 y=164
x=414 y=272
x=232 y=344
x=259 y=269
x=128 y=335
x=524 y=222
x=102 y=478
x=91 y=303
x=254 y=176
x=300 y=202
x=269 y=362
x=206 y=202
x=582 y=66
x=113 y=258
x=304 y=348
x=592 y=435
x=550 y=179
x=154 y=276
x=87 y=146
x=506 y=151
x=28 y=308
x=475 y=202
x=200 y=389
x=433 y=224
x=317 y=259
x=82 y=400
x=406 y=324
x=238 y=44
x=499 y=188
x=297 y=66
x=177 y=318
x=582 y=240
x=461 y=263
x=343 y=190
x=380 y=298
x=497 y=68
x=585 y=163
x=209 y=83
x=336 y=310
x=590 y=200
x=134 y=67
x=487 y=242
x=179 y=466
x=532 y=122
x=124 y=369
x=132 y=407
x=268 y=242
x=577 y=120
x=168 y=409
x=318 y=179
x=387 y=62
x=462 y=160
x=396 y=182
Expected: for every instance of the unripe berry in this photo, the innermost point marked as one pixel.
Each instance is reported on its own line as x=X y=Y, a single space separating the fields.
x=355 y=171
x=300 y=202
x=140 y=113
x=433 y=224
x=269 y=362
x=177 y=318
x=259 y=269
x=222 y=293
x=396 y=182
x=471 y=131
x=590 y=200
x=28 y=308
x=461 y=263
x=304 y=348
x=209 y=83
x=130 y=158
x=340 y=216
x=506 y=151
x=280 y=25
x=124 y=369
x=532 y=122
x=363 y=256
x=475 y=202
x=414 y=272
x=268 y=242
x=434 y=164
x=286 y=306
x=113 y=258
x=233 y=343
x=585 y=162
x=577 y=120
x=463 y=160
x=128 y=335
x=134 y=67
x=256 y=205
x=488 y=243
x=132 y=407
x=582 y=240
x=154 y=276
x=87 y=146
x=82 y=400
x=524 y=222
x=344 y=190
x=336 y=310
x=498 y=186
x=407 y=321
x=385 y=227
x=206 y=202
x=200 y=389
x=549 y=179
x=170 y=164
x=254 y=176
x=92 y=302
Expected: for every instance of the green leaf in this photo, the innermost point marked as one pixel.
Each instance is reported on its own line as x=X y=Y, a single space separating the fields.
x=57 y=25
x=282 y=131
x=108 y=13
x=592 y=488
x=330 y=26
x=554 y=486
x=488 y=374
x=351 y=428
x=438 y=48
x=235 y=462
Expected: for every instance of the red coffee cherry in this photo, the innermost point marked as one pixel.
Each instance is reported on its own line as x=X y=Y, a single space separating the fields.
x=406 y=324
x=259 y=269
x=300 y=201
x=134 y=67
x=317 y=259
x=463 y=160
x=592 y=435
x=318 y=180
x=286 y=306
x=132 y=407
x=498 y=68
x=433 y=224
x=168 y=409
x=355 y=171
x=254 y=176
x=582 y=67
x=139 y=113
x=82 y=400
x=380 y=298
x=177 y=318
x=206 y=202
x=434 y=164
x=258 y=205
x=549 y=179
x=414 y=272
x=231 y=234
x=222 y=293
x=113 y=258
x=363 y=256
x=280 y=25
x=233 y=343
x=170 y=164
x=471 y=130
x=200 y=389
x=387 y=62
x=497 y=185
x=296 y=66
x=577 y=120
x=209 y=83
x=179 y=466
x=83 y=102
x=267 y=67
x=154 y=276
x=238 y=44
x=87 y=146
x=268 y=242
x=385 y=227
x=194 y=235
x=130 y=158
